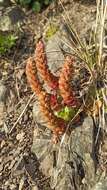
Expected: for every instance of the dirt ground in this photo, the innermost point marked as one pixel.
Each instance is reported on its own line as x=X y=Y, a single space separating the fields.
x=20 y=168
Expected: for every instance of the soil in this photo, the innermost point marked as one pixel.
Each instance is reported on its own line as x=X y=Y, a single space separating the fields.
x=21 y=168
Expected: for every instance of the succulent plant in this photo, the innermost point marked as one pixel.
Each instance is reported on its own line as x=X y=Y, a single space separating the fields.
x=60 y=107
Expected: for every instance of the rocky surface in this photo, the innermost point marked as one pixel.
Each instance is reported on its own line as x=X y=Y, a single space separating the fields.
x=102 y=184
x=73 y=163
x=10 y=16
x=77 y=161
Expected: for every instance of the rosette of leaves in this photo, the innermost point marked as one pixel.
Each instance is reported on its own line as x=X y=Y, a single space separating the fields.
x=66 y=113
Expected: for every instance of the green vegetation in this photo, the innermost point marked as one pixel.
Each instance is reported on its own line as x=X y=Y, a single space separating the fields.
x=67 y=113
x=94 y=58
x=35 y=5
x=50 y=31
x=6 y=42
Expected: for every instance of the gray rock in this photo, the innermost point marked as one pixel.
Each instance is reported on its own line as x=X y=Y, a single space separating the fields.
x=16 y=15
x=38 y=115
x=54 y=55
x=5 y=3
x=5 y=23
x=75 y=166
x=10 y=19
x=35 y=188
x=101 y=185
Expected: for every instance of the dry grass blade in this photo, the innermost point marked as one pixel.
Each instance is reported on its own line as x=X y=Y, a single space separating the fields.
x=102 y=22
x=92 y=55
x=22 y=113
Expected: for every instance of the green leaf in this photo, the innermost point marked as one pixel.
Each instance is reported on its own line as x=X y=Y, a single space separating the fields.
x=6 y=42
x=46 y=2
x=66 y=113
x=36 y=7
x=25 y=2
x=50 y=31
x=105 y=109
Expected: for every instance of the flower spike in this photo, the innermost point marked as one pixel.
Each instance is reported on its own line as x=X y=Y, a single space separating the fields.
x=42 y=66
x=57 y=125
x=65 y=88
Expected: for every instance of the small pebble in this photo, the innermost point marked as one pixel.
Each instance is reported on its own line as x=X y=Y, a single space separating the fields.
x=34 y=188
x=20 y=136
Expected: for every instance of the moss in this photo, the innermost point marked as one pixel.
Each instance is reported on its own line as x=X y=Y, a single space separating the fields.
x=6 y=42
x=50 y=31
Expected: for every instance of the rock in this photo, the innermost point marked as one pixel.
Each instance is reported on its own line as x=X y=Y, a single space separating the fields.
x=11 y=18
x=41 y=144
x=16 y=15
x=35 y=188
x=5 y=23
x=54 y=55
x=21 y=184
x=47 y=169
x=38 y=115
x=12 y=186
x=20 y=136
x=5 y=3
x=75 y=164
x=59 y=40
x=101 y=185
x=81 y=138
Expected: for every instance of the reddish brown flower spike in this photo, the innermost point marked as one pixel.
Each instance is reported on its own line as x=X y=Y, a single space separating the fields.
x=32 y=77
x=55 y=124
x=42 y=66
x=64 y=83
